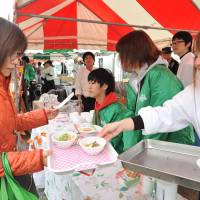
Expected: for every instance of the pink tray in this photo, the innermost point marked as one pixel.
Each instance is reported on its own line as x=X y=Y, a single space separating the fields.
x=75 y=159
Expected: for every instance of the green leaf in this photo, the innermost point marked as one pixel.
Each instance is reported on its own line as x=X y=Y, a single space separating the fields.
x=100 y=175
x=76 y=174
x=103 y=184
x=133 y=182
x=123 y=189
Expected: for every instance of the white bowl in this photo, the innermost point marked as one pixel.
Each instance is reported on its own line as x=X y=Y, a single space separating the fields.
x=88 y=129
x=64 y=143
x=90 y=140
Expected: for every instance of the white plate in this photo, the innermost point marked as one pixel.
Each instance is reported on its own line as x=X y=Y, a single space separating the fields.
x=88 y=129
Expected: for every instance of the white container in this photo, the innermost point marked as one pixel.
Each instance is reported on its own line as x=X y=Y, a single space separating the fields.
x=148 y=185
x=75 y=118
x=165 y=190
x=66 y=143
x=86 y=116
x=92 y=150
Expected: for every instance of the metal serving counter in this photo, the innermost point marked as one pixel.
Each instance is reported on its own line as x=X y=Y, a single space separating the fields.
x=165 y=160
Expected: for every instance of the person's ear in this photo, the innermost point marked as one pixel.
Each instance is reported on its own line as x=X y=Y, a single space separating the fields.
x=105 y=86
x=188 y=45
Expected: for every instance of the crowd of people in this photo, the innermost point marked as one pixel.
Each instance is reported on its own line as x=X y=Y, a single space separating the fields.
x=162 y=96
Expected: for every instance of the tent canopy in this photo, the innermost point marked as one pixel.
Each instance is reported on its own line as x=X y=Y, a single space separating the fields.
x=64 y=33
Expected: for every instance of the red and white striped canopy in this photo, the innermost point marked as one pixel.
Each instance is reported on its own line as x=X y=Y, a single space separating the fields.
x=61 y=34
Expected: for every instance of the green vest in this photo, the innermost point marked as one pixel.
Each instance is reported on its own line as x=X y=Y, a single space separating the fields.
x=29 y=74
x=112 y=113
x=159 y=85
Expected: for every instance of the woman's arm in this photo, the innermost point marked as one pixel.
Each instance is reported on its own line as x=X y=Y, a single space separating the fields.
x=174 y=115
x=34 y=119
x=26 y=162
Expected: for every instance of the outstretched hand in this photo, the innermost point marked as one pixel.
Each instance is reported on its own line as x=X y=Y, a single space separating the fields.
x=111 y=130
x=51 y=113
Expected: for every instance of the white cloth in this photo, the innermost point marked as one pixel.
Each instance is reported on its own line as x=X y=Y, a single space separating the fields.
x=81 y=82
x=185 y=70
x=175 y=114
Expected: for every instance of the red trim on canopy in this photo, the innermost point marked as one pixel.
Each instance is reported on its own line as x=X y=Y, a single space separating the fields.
x=180 y=14
x=53 y=28
x=37 y=7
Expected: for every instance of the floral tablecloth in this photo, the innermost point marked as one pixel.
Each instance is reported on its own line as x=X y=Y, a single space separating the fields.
x=110 y=182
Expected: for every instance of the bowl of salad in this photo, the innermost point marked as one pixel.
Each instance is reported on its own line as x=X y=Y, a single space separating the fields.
x=64 y=140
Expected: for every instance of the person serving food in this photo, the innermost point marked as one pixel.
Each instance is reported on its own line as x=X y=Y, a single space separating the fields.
x=175 y=114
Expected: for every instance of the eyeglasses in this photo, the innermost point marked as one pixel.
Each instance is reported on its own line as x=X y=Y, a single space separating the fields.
x=177 y=42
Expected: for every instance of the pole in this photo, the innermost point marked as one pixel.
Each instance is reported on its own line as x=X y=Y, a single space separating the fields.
x=100 y=22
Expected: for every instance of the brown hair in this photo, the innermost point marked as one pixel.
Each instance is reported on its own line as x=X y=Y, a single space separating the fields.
x=12 y=39
x=137 y=48
x=196 y=49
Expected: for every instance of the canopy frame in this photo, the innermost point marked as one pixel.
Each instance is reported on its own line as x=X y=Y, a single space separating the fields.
x=102 y=22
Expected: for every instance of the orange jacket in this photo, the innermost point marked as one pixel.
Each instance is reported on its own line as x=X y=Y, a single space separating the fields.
x=10 y=121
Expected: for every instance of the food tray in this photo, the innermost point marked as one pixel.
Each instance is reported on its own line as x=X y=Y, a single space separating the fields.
x=165 y=160
x=64 y=161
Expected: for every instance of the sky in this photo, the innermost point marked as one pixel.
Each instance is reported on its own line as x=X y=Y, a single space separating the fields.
x=6 y=9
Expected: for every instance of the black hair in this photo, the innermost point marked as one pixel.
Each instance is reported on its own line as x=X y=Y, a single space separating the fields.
x=184 y=35
x=103 y=76
x=26 y=59
x=49 y=62
x=88 y=53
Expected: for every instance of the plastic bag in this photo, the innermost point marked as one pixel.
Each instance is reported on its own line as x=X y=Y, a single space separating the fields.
x=10 y=189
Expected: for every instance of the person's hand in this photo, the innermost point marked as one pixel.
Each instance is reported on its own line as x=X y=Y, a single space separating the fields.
x=45 y=154
x=111 y=130
x=51 y=113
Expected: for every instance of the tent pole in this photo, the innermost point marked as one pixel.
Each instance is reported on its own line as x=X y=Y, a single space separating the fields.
x=25 y=4
x=100 y=22
x=35 y=30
